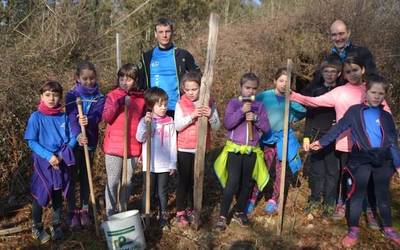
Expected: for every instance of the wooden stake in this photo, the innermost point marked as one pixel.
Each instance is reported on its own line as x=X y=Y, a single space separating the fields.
x=88 y=169
x=148 y=162
x=284 y=149
x=124 y=192
x=250 y=130
x=118 y=50
x=204 y=98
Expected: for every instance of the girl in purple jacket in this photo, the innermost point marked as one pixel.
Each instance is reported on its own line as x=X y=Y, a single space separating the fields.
x=242 y=159
x=87 y=89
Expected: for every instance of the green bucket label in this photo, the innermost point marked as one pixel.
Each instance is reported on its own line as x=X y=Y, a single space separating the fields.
x=120 y=241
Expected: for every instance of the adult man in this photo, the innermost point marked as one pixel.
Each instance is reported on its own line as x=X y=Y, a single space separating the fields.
x=164 y=65
x=343 y=48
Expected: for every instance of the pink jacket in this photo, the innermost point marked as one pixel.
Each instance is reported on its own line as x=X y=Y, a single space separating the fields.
x=187 y=138
x=113 y=115
x=340 y=98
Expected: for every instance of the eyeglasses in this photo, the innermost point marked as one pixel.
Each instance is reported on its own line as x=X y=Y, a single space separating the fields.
x=329 y=72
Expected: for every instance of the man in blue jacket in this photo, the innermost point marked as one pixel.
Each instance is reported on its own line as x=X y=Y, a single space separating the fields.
x=163 y=65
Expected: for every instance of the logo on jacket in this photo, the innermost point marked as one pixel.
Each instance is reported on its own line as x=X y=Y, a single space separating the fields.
x=155 y=64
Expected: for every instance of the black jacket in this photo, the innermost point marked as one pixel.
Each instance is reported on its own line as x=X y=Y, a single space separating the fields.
x=362 y=152
x=318 y=120
x=183 y=59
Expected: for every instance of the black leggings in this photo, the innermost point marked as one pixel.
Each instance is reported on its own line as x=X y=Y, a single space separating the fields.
x=159 y=186
x=381 y=178
x=37 y=210
x=324 y=175
x=240 y=168
x=184 y=191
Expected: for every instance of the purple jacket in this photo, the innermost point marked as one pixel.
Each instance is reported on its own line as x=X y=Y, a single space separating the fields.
x=235 y=122
x=94 y=116
x=45 y=178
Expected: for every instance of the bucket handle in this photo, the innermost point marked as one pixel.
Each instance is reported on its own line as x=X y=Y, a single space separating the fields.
x=144 y=225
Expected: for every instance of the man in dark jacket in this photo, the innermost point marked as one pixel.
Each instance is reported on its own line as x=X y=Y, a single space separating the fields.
x=164 y=65
x=343 y=48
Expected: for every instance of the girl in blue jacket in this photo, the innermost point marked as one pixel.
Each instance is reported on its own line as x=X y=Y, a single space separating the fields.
x=375 y=154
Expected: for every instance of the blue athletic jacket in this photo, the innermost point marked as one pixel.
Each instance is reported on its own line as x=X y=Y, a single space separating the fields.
x=362 y=152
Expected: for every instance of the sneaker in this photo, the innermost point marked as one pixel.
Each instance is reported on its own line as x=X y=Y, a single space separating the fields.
x=163 y=221
x=340 y=212
x=85 y=217
x=271 y=207
x=38 y=233
x=56 y=232
x=371 y=220
x=351 y=238
x=312 y=207
x=391 y=234
x=241 y=219
x=250 y=207
x=190 y=215
x=221 y=224
x=75 y=222
x=328 y=211
x=181 y=219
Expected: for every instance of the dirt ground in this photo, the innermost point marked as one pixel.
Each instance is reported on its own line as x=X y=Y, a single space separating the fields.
x=309 y=231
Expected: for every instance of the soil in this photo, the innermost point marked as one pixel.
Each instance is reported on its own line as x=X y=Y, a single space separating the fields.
x=300 y=231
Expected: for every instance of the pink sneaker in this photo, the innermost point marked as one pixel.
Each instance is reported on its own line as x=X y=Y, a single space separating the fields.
x=85 y=218
x=181 y=219
x=351 y=238
x=190 y=215
x=75 y=220
x=392 y=235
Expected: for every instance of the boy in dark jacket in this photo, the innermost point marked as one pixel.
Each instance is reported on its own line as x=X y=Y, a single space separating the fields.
x=324 y=165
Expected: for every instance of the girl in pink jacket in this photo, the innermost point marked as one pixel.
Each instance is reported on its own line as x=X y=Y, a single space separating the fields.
x=125 y=93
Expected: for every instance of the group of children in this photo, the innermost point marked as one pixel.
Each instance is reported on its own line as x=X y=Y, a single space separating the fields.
x=253 y=150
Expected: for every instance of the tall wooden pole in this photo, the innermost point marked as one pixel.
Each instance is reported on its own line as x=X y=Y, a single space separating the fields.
x=124 y=192
x=148 y=164
x=284 y=149
x=89 y=171
x=204 y=98
x=118 y=50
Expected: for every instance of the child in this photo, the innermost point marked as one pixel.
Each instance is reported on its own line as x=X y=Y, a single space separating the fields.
x=52 y=143
x=273 y=101
x=87 y=89
x=241 y=159
x=125 y=93
x=187 y=111
x=374 y=152
x=342 y=98
x=163 y=148
x=324 y=165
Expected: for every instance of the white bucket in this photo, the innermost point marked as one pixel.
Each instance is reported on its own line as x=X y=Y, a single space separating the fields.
x=124 y=231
